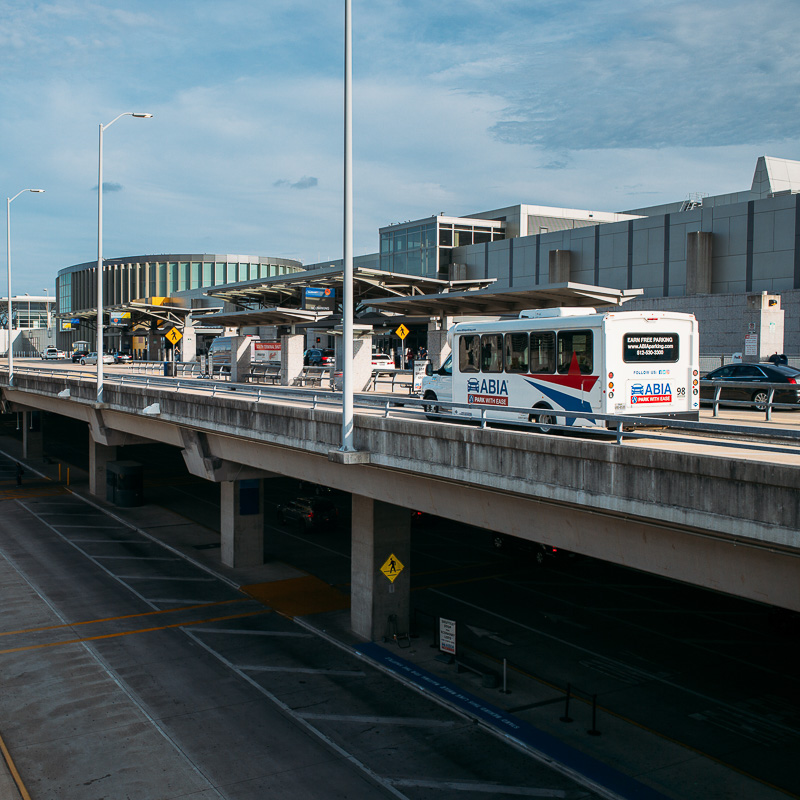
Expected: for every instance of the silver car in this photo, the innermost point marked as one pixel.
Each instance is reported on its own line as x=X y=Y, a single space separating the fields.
x=91 y=358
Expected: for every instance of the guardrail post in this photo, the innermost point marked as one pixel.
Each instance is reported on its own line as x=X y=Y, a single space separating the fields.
x=717 y=392
x=770 y=397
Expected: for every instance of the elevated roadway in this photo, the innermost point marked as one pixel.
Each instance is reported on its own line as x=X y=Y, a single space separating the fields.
x=699 y=510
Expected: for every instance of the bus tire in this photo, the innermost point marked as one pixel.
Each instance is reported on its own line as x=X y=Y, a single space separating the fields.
x=431 y=410
x=544 y=421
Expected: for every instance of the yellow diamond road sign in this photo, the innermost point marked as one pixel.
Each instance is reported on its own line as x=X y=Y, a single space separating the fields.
x=392 y=568
x=174 y=335
x=402 y=331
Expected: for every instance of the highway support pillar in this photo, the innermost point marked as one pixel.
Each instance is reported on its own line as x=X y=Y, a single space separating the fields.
x=381 y=569
x=32 y=435
x=99 y=456
x=242 y=522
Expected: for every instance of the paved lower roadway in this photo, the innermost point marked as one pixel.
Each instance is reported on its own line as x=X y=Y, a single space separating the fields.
x=697 y=692
x=130 y=672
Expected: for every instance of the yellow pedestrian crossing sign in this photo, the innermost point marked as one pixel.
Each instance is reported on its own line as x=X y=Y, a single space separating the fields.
x=174 y=335
x=402 y=331
x=392 y=568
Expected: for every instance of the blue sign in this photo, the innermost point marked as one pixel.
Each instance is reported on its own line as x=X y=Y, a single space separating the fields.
x=314 y=292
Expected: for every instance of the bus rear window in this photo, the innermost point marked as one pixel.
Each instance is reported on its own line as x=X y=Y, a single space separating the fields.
x=649 y=347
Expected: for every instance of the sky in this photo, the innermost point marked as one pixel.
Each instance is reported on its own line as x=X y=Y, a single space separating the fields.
x=459 y=106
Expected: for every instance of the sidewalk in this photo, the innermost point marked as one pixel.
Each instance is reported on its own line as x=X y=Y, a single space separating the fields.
x=626 y=759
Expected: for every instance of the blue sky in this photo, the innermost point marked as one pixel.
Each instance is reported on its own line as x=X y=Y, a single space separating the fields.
x=459 y=106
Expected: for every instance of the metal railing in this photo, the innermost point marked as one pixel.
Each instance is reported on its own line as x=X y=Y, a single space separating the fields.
x=620 y=427
x=752 y=388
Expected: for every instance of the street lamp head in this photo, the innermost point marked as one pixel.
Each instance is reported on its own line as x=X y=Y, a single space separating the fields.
x=38 y=191
x=141 y=115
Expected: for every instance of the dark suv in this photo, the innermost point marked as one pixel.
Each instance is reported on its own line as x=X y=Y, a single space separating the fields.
x=753 y=375
x=78 y=355
x=316 y=357
x=313 y=513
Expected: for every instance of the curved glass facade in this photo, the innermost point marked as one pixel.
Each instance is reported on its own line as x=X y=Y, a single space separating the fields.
x=139 y=277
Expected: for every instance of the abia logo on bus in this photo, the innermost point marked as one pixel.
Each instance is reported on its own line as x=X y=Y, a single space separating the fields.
x=491 y=392
x=651 y=393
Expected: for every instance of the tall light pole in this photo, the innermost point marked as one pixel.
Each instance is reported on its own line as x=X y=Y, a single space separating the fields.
x=347 y=278
x=47 y=310
x=9 y=201
x=100 y=249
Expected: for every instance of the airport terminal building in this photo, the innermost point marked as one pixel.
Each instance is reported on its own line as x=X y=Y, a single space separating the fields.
x=732 y=259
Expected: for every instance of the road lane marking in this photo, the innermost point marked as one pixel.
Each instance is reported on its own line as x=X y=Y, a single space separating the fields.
x=352 y=673
x=12 y=768
x=163 y=578
x=125 y=616
x=137 y=558
x=290 y=712
x=245 y=632
x=130 y=633
x=417 y=722
x=486 y=788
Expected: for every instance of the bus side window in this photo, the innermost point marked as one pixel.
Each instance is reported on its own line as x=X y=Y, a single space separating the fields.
x=492 y=352
x=543 y=352
x=516 y=352
x=578 y=344
x=469 y=348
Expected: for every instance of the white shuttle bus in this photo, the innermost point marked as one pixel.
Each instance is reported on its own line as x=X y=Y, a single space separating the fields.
x=643 y=363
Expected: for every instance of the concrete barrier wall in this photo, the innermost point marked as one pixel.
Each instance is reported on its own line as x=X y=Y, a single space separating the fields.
x=741 y=500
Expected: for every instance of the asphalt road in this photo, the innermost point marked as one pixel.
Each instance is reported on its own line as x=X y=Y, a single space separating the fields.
x=711 y=672
x=131 y=673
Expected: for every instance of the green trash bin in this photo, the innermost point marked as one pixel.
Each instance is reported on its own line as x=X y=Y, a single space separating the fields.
x=125 y=483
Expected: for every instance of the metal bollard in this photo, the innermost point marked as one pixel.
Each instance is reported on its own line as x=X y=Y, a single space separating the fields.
x=567 y=717
x=594 y=731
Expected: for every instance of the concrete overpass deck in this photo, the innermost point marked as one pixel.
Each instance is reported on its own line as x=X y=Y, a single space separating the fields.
x=643 y=762
x=706 y=510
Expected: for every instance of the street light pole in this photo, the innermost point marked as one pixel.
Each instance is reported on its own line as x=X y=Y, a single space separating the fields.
x=100 y=248
x=9 y=201
x=347 y=277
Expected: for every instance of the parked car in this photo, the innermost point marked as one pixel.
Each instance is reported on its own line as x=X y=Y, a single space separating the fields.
x=122 y=358
x=91 y=358
x=78 y=355
x=753 y=374
x=51 y=353
x=317 y=357
x=382 y=361
x=540 y=552
x=313 y=513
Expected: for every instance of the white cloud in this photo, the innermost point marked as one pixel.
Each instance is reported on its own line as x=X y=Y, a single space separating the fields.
x=459 y=106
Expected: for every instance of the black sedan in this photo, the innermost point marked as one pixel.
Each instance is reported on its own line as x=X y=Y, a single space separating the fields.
x=313 y=513
x=757 y=377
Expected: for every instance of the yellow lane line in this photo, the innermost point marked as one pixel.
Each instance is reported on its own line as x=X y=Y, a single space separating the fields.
x=125 y=616
x=129 y=633
x=13 y=770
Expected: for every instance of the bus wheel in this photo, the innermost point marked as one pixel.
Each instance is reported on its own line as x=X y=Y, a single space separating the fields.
x=544 y=421
x=431 y=410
